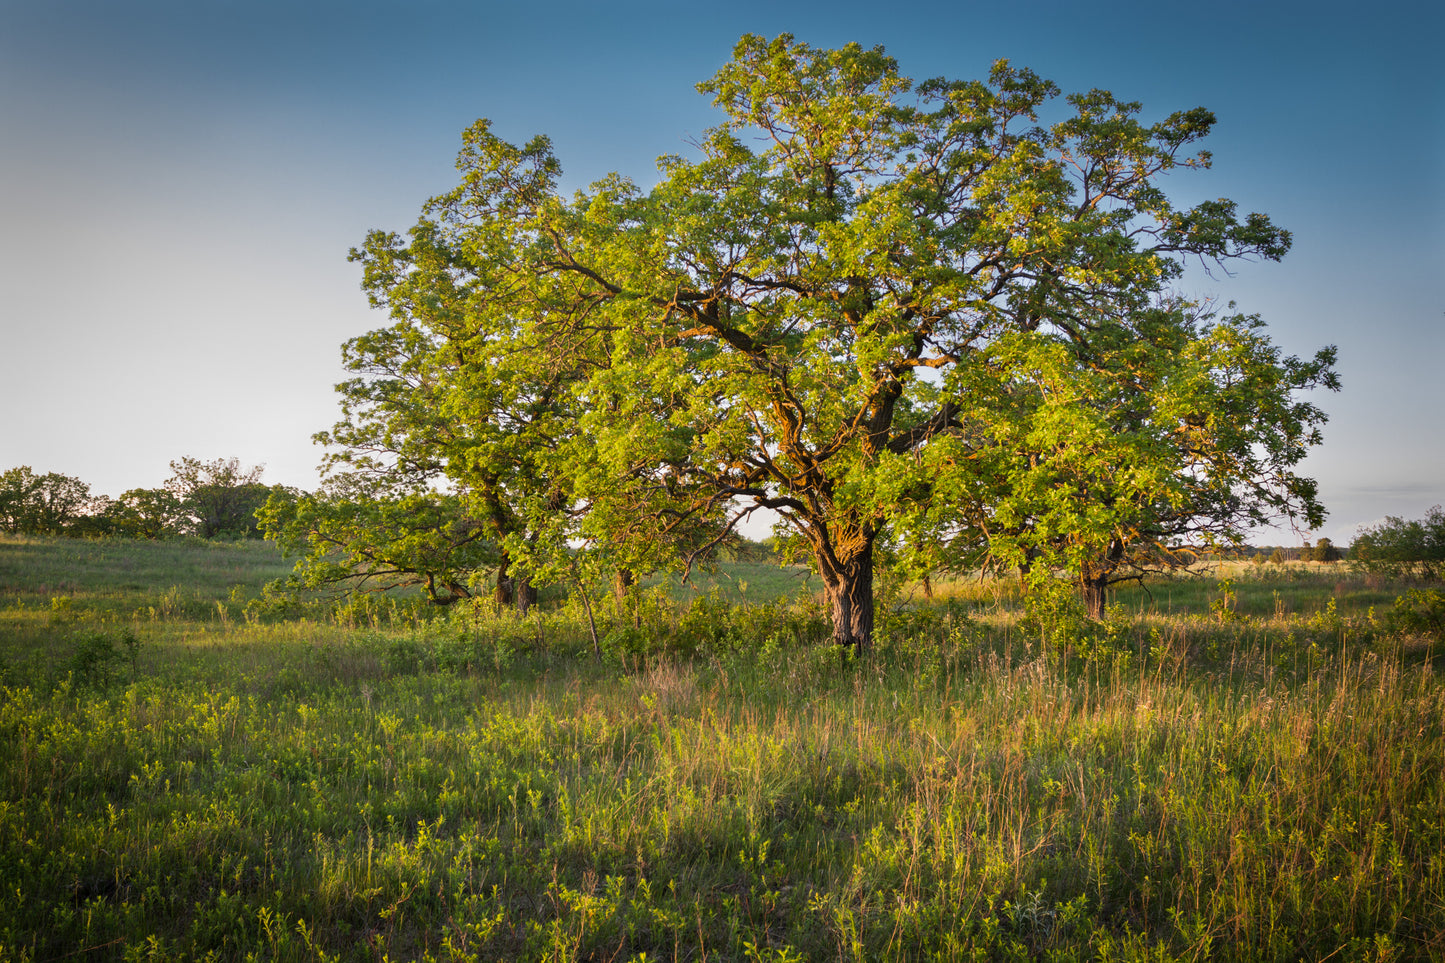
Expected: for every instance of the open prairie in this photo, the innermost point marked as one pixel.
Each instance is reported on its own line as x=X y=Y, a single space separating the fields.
x=1247 y=766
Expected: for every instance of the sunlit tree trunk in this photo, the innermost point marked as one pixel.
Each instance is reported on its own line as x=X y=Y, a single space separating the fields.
x=1096 y=593
x=847 y=570
x=503 y=595
x=1094 y=579
x=622 y=581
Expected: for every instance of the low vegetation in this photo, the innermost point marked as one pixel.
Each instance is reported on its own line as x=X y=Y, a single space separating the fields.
x=1249 y=766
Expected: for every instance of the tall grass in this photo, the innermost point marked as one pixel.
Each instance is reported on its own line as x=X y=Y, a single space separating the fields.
x=1191 y=785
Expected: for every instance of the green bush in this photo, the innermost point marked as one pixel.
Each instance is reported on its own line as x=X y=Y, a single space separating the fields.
x=1418 y=612
x=626 y=642
x=1397 y=548
x=1058 y=617
x=96 y=659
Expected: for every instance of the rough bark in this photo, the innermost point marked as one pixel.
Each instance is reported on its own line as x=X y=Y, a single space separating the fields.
x=514 y=591
x=524 y=594
x=1095 y=592
x=504 y=593
x=848 y=585
x=1096 y=578
x=622 y=581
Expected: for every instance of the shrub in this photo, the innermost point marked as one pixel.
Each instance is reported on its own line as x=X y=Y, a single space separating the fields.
x=1397 y=548
x=95 y=657
x=625 y=642
x=1418 y=612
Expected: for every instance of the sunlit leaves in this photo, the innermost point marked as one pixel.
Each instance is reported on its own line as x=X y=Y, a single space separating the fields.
x=880 y=309
x=1175 y=433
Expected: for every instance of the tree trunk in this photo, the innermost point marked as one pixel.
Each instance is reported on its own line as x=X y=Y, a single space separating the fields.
x=848 y=585
x=504 y=594
x=1094 y=579
x=1095 y=592
x=622 y=582
x=524 y=594
x=513 y=591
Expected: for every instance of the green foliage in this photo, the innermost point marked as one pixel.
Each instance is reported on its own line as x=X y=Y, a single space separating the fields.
x=467 y=788
x=96 y=657
x=209 y=500
x=632 y=373
x=1419 y=612
x=355 y=532
x=1325 y=551
x=1056 y=615
x=217 y=499
x=1060 y=620
x=1397 y=548
x=48 y=504
x=1175 y=432
x=150 y=513
x=1224 y=606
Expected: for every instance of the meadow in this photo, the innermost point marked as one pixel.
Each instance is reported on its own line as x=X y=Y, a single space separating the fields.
x=1248 y=765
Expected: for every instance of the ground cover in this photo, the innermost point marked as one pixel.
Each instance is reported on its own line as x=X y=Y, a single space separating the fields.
x=1219 y=776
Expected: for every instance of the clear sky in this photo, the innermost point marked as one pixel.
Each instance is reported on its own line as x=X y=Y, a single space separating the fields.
x=180 y=183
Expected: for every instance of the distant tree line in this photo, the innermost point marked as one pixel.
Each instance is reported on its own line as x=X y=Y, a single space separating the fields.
x=1398 y=548
x=204 y=499
x=1323 y=550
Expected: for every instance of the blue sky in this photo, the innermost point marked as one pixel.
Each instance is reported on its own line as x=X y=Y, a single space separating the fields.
x=180 y=183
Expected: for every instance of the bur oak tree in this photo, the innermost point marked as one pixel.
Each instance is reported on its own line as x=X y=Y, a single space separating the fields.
x=217 y=498
x=1173 y=434
x=42 y=504
x=860 y=305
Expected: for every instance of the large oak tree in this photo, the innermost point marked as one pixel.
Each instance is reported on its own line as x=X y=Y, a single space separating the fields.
x=852 y=308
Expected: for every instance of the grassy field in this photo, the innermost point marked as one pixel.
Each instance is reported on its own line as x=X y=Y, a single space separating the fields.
x=1248 y=766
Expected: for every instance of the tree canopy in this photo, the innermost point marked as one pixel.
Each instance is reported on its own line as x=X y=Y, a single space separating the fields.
x=1172 y=433
x=878 y=309
x=216 y=498
x=358 y=531
x=43 y=504
x=150 y=513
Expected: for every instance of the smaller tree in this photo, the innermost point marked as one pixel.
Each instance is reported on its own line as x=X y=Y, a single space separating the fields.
x=1397 y=548
x=1141 y=450
x=149 y=513
x=218 y=498
x=48 y=504
x=1325 y=551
